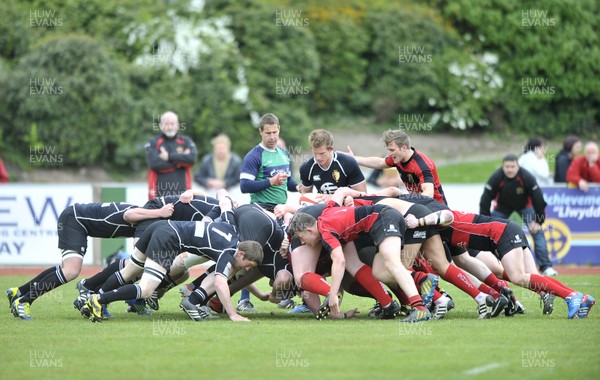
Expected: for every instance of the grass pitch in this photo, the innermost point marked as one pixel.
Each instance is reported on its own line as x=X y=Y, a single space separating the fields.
x=59 y=344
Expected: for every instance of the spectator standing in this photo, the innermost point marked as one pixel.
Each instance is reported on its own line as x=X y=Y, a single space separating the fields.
x=515 y=190
x=571 y=147
x=221 y=168
x=170 y=158
x=534 y=162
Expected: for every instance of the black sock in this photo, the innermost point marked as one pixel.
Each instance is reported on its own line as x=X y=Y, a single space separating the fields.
x=51 y=281
x=96 y=281
x=197 y=282
x=167 y=283
x=25 y=288
x=199 y=297
x=114 y=281
x=125 y=292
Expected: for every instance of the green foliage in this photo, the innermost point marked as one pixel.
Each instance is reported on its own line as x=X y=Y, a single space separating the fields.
x=69 y=94
x=121 y=63
x=342 y=43
x=547 y=53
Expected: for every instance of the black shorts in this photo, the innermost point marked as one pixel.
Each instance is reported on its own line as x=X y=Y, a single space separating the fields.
x=389 y=223
x=72 y=236
x=141 y=227
x=273 y=263
x=512 y=237
x=366 y=249
x=473 y=252
x=160 y=243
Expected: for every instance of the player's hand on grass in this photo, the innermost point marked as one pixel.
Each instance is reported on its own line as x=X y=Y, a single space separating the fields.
x=238 y=318
x=334 y=303
x=411 y=221
x=349 y=314
x=273 y=298
x=167 y=210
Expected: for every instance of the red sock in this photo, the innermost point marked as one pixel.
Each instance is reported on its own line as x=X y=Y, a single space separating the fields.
x=539 y=283
x=458 y=278
x=505 y=276
x=364 y=276
x=487 y=290
x=436 y=295
x=312 y=282
x=400 y=294
x=423 y=265
x=495 y=282
x=416 y=302
x=418 y=276
x=552 y=279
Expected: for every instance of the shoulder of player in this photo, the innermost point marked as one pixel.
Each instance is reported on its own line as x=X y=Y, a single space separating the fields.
x=345 y=160
x=419 y=156
x=255 y=152
x=306 y=165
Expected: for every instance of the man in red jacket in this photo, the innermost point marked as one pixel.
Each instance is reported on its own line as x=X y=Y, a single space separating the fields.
x=3 y=173
x=585 y=169
x=170 y=158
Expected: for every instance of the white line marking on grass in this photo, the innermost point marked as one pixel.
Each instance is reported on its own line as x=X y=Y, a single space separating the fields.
x=485 y=368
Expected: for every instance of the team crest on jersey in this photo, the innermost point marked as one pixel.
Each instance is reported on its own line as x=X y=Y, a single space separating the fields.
x=316 y=177
x=411 y=179
x=519 y=190
x=179 y=149
x=336 y=175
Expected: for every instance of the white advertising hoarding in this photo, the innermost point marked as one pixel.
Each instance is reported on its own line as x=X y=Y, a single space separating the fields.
x=28 y=221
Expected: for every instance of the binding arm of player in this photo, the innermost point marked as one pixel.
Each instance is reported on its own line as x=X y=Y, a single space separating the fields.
x=441 y=218
x=135 y=215
x=369 y=162
x=343 y=192
x=188 y=195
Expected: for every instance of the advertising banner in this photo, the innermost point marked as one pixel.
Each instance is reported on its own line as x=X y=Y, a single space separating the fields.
x=28 y=221
x=572 y=226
